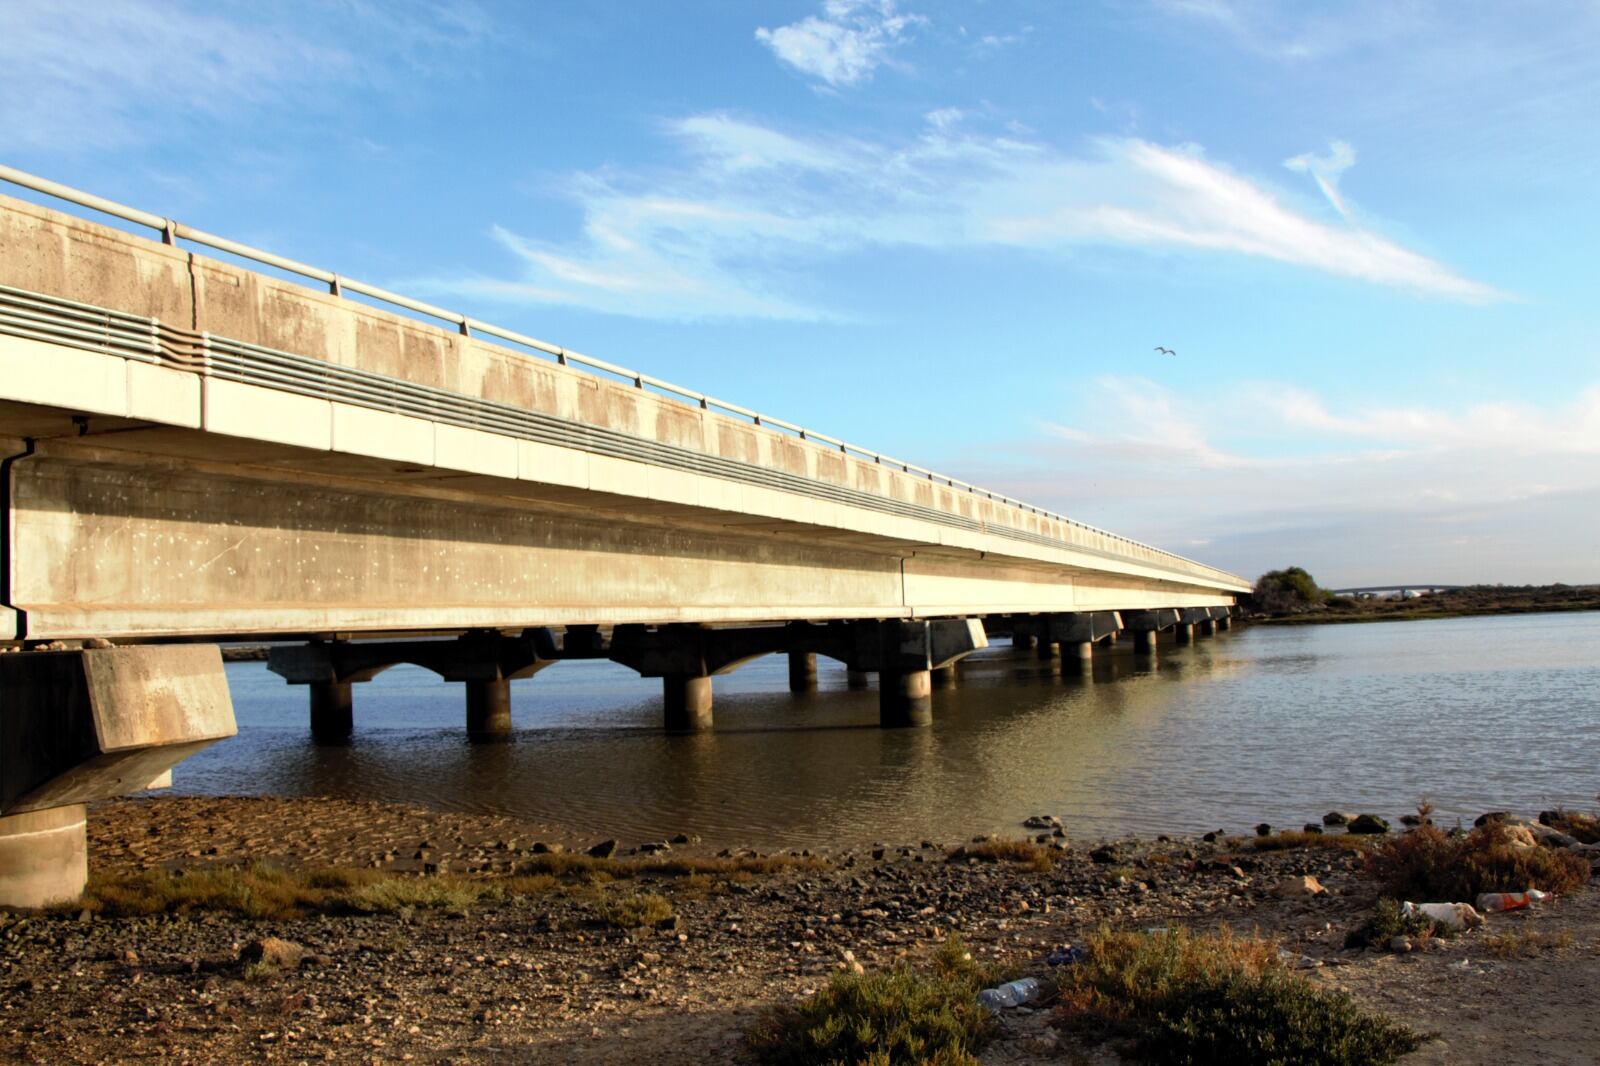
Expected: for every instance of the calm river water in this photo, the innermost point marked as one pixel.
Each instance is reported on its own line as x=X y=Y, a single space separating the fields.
x=1272 y=724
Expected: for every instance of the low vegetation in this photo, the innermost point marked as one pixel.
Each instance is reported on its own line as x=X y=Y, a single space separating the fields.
x=1214 y=999
x=905 y=1015
x=1584 y=827
x=262 y=891
x=1387 y=922
x=1290 y=839
x=1287 y=591
x=1447 y=603
x=1516 y=943
x=1429 y=864
x=1041 y=857
x=633 y=911
x=583 y=867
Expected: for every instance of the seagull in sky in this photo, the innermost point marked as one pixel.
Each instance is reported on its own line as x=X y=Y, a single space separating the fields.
x=1165 y=351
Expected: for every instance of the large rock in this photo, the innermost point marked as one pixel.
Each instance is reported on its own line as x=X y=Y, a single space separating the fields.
x=273 y=951
x=1306 y=887
x=1337 y=818
x=1367 y=823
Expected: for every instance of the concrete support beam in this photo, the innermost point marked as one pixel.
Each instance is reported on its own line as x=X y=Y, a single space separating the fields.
x=802 y=671
x=905 y=698
x=945 y=676
x=488 y=710
x=686 y=700
x=332 y=712
x=44 y=856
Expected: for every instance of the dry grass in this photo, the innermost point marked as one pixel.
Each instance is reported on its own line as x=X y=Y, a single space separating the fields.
x=1585 y=827
x=1221 y=1000
x=1291 y=839
x=1025 y=852
x=633 y=911
x=1428 y=864
x=1517 y=943
x=262 y=891
x=588 y=868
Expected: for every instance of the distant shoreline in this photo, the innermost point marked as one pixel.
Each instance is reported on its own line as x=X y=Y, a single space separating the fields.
x=1463 y=603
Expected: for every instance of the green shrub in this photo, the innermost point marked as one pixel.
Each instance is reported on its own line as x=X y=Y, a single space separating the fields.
x=1387 y=922
x=1215 y=999
x=902 y=1016
x=1429 y=865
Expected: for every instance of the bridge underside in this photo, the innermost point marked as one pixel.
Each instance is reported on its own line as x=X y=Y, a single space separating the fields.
x=111 y=542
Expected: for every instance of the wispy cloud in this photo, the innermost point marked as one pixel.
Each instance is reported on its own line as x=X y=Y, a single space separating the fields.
x=751 y=212
x=843 y=45
x=1274 y=474
x=105 y=75
x=1326 y=170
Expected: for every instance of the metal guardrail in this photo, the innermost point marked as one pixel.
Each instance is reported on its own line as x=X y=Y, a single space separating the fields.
x=173 y=231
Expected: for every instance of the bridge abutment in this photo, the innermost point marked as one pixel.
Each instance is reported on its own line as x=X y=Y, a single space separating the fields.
x=84 y=725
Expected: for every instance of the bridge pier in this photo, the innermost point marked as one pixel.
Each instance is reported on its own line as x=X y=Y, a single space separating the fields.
x=1079 y=653
x=1207 y=627
x=1144 y=641
x=332 y=712
x=802 y=671
x=488 y=710
x=905 y=698
x=1021 y=641
x=1183 y=633
x=857 y=679
x=686 y=701
x=1224 y=623
x=944 y=676
x=1045 y=650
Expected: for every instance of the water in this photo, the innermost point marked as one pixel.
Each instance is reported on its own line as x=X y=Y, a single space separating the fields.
x=1262 y=724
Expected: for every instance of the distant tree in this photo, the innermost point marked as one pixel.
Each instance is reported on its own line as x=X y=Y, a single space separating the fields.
x=1287 y=590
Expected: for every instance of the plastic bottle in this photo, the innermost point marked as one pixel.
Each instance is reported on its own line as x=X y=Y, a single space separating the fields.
x=1509 y=901
x=1012 y=994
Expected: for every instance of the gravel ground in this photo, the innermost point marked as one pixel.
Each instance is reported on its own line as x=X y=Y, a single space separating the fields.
x=536 y=978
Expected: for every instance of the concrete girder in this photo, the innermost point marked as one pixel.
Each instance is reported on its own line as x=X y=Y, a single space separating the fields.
x=1150 y=621
x=476 y=656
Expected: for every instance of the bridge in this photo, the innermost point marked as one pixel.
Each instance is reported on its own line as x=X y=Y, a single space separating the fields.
x=192 y=451
x=1373 y=590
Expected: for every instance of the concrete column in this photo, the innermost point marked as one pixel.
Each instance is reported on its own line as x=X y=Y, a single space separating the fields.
x=1080 y=653
x=802 y=671
x=332 y=714
x=1224 y=622
x=857 y=679
x=1208 y=627
x=1144 y=641
x=1021 y=641
x=944 y=676
x=687 y=701
x=44 y=856
x=905 y=699
x=1045 y=650
x=488 y=710
x=1183 y=633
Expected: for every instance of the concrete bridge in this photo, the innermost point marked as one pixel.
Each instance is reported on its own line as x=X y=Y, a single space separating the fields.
x=193 y=450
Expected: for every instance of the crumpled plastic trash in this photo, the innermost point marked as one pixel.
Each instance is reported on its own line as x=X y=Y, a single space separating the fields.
x=1509 y=901
x=1456 y=916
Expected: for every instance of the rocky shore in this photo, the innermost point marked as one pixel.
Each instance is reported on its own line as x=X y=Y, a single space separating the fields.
x=550 y=973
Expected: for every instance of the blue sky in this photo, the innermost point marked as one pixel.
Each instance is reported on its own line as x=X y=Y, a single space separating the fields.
x=954 y=232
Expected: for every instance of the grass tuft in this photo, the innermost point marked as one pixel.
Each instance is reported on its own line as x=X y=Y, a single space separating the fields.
x=1294 y=839
x=1215 y=999
x=1525 y=942
x=633 y=911
x=1025 y=852
x=1428 y=864
x=263 y=891
x=901 y=1016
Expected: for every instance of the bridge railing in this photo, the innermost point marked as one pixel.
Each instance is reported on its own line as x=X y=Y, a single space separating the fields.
x=172 y=231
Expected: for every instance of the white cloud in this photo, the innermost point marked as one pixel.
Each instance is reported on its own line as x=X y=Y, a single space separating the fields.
x=751 y=210
x=1275 y=475
x=1326 y=170
x=843 y=46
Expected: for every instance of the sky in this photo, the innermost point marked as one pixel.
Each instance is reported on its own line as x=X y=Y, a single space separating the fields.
x=955 y=233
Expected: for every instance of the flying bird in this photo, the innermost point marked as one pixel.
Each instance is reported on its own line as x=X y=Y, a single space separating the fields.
x=1165 y=351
